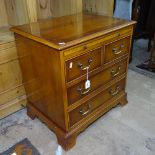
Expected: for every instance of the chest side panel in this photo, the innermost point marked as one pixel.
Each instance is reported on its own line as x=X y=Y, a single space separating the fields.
x=41 y=69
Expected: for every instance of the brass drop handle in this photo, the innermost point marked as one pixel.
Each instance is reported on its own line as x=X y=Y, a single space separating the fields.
x=83 y=92
x=114 y=73
x=83 y=113
x=117 y=51
x=83 y=67
x=113 y=93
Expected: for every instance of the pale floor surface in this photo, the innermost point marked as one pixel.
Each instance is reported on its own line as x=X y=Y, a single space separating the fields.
x=128 y=130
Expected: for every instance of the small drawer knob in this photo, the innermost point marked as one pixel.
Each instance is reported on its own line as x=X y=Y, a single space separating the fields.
x=85 y=47
x=83 y=67
x=118 y=34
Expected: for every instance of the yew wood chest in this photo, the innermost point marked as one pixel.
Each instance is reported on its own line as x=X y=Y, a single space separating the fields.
x=74 y=70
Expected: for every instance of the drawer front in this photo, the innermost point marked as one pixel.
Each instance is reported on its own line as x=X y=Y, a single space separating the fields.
x=84 y=110
x=78 y=91
x=116 y=49
x=78 y=65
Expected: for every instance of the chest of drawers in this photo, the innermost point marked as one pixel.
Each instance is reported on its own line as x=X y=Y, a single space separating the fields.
x=74 y=70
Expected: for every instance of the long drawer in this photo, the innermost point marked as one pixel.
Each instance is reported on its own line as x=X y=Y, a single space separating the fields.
x=78 y=91
x=85 y=109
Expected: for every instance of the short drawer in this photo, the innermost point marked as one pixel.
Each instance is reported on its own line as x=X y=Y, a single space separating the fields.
x=78 y=91
x=99 y=41
x=116 y=49
x=85 y=109
x=78 y=66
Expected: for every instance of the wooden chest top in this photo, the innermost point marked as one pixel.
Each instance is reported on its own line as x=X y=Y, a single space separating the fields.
x=63 y=32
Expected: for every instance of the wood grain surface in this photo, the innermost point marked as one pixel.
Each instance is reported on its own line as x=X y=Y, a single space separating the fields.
x=60 y=33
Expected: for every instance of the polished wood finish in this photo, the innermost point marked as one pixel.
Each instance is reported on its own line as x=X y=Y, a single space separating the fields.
x=55 y=58
x=43 y=88
x=60 y=33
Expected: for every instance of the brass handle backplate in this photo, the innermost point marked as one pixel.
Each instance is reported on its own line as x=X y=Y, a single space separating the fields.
x=83 y=67
x=83 y=113
x=83 y=92
x=114 y=73
x=118 y=51
x=114 y=92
